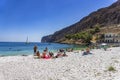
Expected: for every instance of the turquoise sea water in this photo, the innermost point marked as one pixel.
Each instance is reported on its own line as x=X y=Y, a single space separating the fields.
x=20 y=48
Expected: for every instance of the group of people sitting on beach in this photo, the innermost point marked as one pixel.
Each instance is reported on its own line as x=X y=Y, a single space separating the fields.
x=48 y=55
x=61 y=53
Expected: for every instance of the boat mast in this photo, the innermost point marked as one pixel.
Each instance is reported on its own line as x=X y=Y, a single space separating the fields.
x=27 y=40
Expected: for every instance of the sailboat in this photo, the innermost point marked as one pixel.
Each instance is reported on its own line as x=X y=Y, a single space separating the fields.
x=27 y=42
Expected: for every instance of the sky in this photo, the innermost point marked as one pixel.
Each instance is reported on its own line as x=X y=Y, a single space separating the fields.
x=34 y=19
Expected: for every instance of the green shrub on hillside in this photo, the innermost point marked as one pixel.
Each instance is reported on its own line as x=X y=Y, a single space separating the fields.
x=86 y=36
x=97 y=29
x=111 y=68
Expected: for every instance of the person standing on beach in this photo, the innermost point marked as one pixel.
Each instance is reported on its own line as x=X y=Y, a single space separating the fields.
x=35 y=49
x=46 y=49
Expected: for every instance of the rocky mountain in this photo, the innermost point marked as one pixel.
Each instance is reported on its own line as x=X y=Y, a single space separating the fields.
x=102 y=17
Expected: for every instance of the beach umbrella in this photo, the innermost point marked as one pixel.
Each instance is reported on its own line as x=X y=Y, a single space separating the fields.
x=103 y=44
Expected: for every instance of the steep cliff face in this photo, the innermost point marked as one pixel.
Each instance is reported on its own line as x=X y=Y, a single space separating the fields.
x=47 y=38
x=104 y=17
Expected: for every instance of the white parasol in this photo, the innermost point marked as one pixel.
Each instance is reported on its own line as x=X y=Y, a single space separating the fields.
x=103 y=44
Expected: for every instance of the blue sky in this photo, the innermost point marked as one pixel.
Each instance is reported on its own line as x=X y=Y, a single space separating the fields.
x=37 y=18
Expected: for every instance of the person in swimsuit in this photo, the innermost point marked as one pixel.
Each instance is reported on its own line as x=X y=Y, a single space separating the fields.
x=35 y=49
x=38 y=54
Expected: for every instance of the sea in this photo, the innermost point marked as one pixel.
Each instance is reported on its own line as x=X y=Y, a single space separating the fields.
x=21 y=48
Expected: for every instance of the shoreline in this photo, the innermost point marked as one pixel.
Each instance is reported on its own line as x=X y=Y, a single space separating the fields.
x=23 y=49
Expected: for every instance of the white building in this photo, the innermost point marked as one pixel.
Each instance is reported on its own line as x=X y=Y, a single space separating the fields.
x=112 y=37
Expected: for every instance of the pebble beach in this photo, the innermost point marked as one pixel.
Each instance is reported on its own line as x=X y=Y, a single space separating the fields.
x=73 y=67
